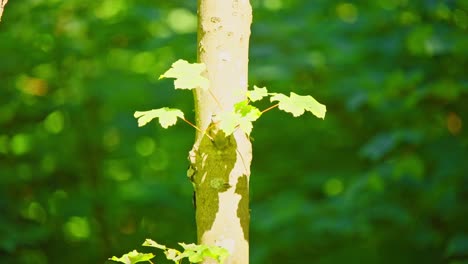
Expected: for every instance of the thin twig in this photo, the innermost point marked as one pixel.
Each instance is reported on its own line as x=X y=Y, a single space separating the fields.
x=191 y=124
x=198 y=129
x=269 y=108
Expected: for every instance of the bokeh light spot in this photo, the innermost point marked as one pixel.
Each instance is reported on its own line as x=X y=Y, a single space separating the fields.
x=159 y=160
x=408 y=18
x=111 y=139
x=182 y=21
x=118 y=171
x=110 y=8
x=118 y=58
x=317 y=59
x=77 y=228
x=388 y=4
x=54 y=122
x=442 y=11
x=32 y=256
x=20 y=144
x=333 y=187
x=158 y=29
x=347 y=12
x=461 y=18
x=45 y=71
x=143 y=62
x=145 y=146
x=45 y=42
x=55 y=200
x=34 y=211
x=454 y=123
x=409 y=166
x=273 y=4
x=32 y=86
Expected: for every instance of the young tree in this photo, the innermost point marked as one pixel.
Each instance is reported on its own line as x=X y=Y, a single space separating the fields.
x=221 y=155
x=221 y=167
x=2 y=6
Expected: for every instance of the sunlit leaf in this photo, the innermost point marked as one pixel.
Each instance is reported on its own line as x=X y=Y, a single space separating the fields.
x=167 y=116
x=244 y=109
x=133 y=257
x=218 y=253
x=228 y=122
x=242 y=117
x=257 y=93
x=172 y=254
x=187 y=75
x=193 y=252
x=197 y=253
x=298 y=104
x=151 y=243
x=195 y=257
x=190 y=246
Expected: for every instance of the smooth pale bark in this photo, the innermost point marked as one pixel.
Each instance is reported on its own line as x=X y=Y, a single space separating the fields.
x=220 y=166
x=2 y=6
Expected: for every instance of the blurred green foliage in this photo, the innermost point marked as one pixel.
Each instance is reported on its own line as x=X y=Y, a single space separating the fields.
x=383 y=179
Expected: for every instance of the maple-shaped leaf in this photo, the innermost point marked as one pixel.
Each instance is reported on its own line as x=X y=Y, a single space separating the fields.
x=242 y=117
x=151 y=243
x=245 y=109
x=133 y=257
x=228 y=122
x=218 y=253
x=173 y=254
x=257 y=93
x=197 y=253
x=187 y=75
x=167 y=116
x=298 y=104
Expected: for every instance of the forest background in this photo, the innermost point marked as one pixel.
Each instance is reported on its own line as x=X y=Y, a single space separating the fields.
x=383 y=179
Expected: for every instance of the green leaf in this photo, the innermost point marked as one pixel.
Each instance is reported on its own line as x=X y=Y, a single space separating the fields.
x=195 y=257
x=298 y=104
x=228 y=122
x=151 y=243
x=257 y=93
x=133 y=257
x=167 y=116
x=193 y=252
x=242 y=117
x=244 y=109
x=219 y=253
x=172 y=254
x=197 y=253
x=190 y=246
x=187 y=75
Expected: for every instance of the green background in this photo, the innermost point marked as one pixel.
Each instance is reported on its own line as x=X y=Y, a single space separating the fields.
x=383 y=179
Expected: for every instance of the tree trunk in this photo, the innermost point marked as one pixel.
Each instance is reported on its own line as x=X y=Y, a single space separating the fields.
x=221 y=165
x=2 y=6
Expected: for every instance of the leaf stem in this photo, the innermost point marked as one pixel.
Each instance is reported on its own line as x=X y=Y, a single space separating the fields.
x=216 y=99
x=269 y=108
x=191 y=124
x=198 y=129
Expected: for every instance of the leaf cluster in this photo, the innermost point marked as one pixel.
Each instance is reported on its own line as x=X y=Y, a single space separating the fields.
x=190 y=76
x=194 y=253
